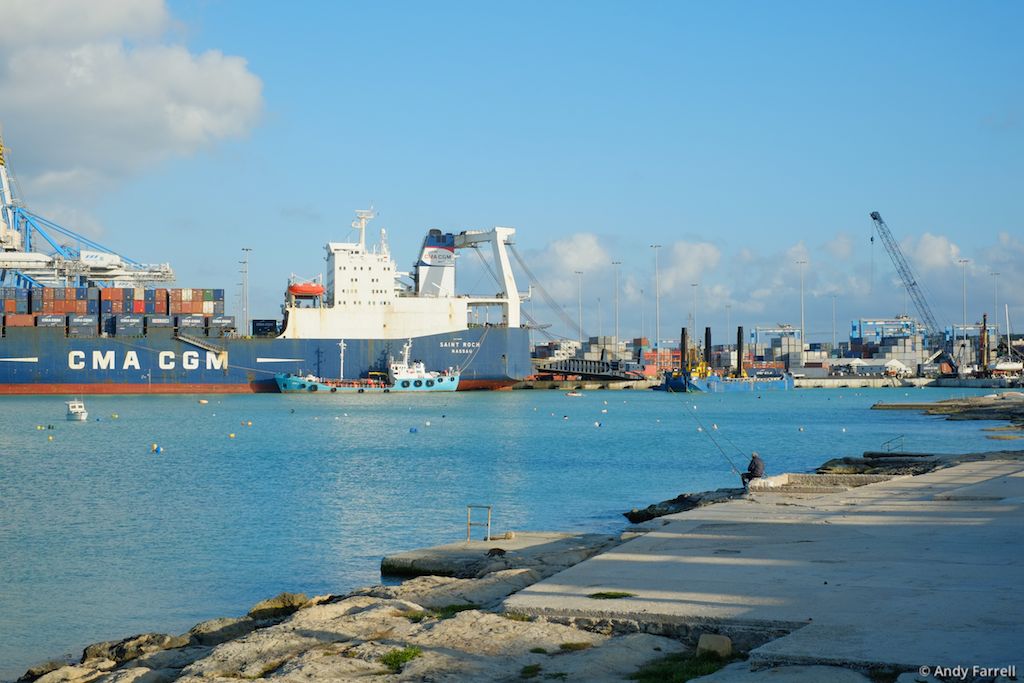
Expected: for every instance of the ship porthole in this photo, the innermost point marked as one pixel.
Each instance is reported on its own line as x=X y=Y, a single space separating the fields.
x=405 y=384
x=362 y=390
x=334 y=389
x=312 y=387
x=302 y=386
x=430 y=382
x=417 y=383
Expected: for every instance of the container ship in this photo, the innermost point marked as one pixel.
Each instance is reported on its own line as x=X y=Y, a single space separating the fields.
x=85 y=320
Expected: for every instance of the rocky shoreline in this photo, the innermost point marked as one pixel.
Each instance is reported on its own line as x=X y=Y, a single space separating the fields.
x=458 y=628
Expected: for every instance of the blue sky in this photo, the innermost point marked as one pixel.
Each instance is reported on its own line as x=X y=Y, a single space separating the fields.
x=741 y=136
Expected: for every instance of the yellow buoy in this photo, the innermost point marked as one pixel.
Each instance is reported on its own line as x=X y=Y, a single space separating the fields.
x=50 y=437
x=39 y=427
x=231 y=435
x=249 y=423
x=153 y=448
x=203 y=401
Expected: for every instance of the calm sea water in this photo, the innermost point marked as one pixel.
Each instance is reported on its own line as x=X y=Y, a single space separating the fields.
x=101 y=538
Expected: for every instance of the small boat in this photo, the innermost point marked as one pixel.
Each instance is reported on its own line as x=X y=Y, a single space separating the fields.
x=573 y=393
x=77 y=411
x=402 y=375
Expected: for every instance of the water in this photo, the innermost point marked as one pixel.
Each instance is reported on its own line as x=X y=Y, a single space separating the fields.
x=101 y=538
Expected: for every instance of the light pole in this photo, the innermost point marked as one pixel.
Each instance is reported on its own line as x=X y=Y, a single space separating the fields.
x=599 y=317
x=657 y=309
x=802 y=263
x=579 y=299
x=643 y=308
x=728 y=321
x=963 y=263
x=995 y=278
x=694 y=285
x=833 y=324
x=615 y=339
x=245 y=287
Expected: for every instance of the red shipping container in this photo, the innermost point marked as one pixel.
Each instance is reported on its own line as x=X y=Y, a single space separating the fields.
x=139 y=306
x=175 y=295
x=20 y=320
x=161 y=307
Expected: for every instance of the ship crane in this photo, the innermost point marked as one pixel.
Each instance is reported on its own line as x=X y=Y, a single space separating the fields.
x=906 y=274
x=36 y=252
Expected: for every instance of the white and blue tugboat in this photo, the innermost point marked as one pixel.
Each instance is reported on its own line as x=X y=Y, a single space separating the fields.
x=402 y=375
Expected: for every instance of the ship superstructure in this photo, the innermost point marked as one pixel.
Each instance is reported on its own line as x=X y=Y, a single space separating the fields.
x=365 y=297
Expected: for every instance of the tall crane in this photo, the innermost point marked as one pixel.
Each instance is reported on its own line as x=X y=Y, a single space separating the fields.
x=907 y=275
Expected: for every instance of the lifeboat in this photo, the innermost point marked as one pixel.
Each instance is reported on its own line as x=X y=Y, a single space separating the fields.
x=306 y=289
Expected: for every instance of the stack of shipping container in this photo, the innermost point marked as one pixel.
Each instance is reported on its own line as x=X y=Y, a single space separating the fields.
x=117 y=311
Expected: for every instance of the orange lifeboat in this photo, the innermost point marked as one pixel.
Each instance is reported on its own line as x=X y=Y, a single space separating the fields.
x=306 y=289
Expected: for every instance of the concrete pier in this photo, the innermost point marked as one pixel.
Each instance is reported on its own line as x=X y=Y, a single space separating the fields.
x=903 y=573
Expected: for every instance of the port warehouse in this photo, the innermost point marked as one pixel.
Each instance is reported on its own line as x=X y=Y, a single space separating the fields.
x=121 y=311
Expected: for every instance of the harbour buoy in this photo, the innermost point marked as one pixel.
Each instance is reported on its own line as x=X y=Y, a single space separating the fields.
x=39 y=427
x=597 y=424
x=50 y=437
x=249 y=423
x=413 y=430
x=427 y=423
x=231 y=435
x=153 y=448
x=714 y=426
x=700 y=429
x=604 y=410
x=844 y=429
x=203 y=401
x=565 y=417
x=801 y=429
x=114 y=416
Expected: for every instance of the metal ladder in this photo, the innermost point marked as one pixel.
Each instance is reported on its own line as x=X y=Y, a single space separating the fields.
x=470 y=523
x=893 y=444
x=200 y=343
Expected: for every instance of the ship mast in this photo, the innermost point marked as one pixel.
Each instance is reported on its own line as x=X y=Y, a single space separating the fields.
x=363 y=216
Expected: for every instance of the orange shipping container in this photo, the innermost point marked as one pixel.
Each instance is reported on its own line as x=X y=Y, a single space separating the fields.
x=10 y=305
x=117 y=306
x=82 y=307
x=20 y=320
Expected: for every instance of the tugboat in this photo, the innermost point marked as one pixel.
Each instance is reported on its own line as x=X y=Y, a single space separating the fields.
x=77 y=411
x=402 y=375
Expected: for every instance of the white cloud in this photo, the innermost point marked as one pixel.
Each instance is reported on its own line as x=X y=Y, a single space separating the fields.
x=933 y=252
x=687 y=263
x=84 y=107
x=840 y=247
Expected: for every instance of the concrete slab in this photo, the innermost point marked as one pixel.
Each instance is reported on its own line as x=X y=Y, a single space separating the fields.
x=886 y=574
x=522 y=549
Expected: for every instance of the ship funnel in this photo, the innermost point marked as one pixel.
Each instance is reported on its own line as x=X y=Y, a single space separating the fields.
x=435 y=269
x=707 y=346
x=684 y=347
x=739 y=351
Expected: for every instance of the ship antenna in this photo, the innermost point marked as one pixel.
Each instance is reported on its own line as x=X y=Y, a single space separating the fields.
x=363 y=216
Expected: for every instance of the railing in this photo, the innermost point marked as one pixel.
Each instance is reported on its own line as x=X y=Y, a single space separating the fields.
x=893 y=444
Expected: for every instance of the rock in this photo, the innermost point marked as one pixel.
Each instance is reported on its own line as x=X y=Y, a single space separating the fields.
x=711 y=642
x=483 y=633
x=71 y=674
x=34 y=672
x=435 y=592
x=682 y=503
x=217 y=631
x=132 y=647
x=170 y=659
x=251 y=656
x=916 y=677
x=279 y=606
x=138 y=674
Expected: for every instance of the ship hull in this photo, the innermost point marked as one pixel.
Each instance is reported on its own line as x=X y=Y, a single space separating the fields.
x=45 y=361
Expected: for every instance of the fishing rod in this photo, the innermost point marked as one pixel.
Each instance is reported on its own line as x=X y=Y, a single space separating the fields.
x=702 y=428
